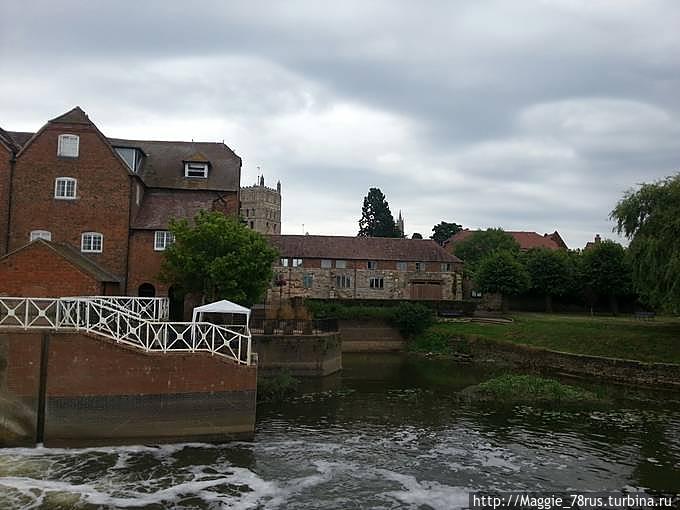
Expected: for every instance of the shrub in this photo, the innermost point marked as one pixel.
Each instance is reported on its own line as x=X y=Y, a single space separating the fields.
x=276 y=388
x=412 y=319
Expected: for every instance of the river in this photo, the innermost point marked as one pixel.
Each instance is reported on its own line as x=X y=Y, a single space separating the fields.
x=388 y=433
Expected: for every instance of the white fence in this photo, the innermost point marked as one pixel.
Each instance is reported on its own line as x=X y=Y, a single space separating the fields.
x=139 y=326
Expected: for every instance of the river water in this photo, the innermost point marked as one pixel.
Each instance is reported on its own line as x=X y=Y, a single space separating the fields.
x=388 y=433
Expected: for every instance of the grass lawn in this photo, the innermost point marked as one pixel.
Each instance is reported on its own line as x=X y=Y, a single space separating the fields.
x=616 y=337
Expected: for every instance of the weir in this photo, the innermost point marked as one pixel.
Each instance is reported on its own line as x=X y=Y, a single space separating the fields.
x=111 y=370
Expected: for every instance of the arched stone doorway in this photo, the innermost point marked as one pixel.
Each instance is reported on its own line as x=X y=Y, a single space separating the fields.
x=146 y=290
x=176 y=298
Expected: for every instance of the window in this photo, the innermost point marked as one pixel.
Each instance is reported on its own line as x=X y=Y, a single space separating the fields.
x=40 y=234
x=343 y=282
x=199 y=170
x=252 y=224
x=132 y=157
x=475 y=294
x=372 y=264
x=91 y=242
x=326 y=264
x=307 y=280
x=68 y=146
x=284 y=262
x=402 y=266
x=297 y=262
x=446 y=267
x=377 y=282
x=341 y=264
x=420 y=266
x=162 y=240
x=65 y=188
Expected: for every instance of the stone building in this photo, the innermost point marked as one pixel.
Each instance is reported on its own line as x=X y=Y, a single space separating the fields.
x=261 y=207
x=363 y=268
x=104 y=204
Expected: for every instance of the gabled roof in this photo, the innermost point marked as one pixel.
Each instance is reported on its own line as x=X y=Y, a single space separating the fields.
x=73 y=256
x=163 y=164
x=361 y=248
x=159 y=206
x=526 y=240
x=20 y=137
x=7 y=140
x=74 y=116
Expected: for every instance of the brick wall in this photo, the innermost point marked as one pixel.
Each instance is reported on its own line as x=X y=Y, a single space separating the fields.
x=103 y=194
x=145 y=263
x=5 y=171
x=37 y=271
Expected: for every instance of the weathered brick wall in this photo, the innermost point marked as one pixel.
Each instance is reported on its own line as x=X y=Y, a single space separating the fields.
x=396 y=284
x=5 y=171
x=103 y=193
x=38 y=271
x=145 y=263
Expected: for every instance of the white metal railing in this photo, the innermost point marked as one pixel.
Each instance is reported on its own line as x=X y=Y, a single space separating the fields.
x=150 y=308
x=111 y=320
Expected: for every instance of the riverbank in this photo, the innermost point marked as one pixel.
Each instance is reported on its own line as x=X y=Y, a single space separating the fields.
x=652 y=341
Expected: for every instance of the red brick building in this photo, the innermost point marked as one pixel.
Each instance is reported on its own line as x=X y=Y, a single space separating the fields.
x=108 y=200
x=526 y=240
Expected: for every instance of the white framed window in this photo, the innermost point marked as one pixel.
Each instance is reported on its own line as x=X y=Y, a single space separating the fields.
x=92 y=242
x=284 y=262
x=402 y=266
x=326 y=263
x=343 y=281
x=40 y=234
x=65 y=188
x=475 y=294
x=446 y=267
x=372 y=264
x=297 y=262
x=377 y=282
x=162 y=240
x=341 y=264
x=199 y=170
x=420 y=266
x=68 y=146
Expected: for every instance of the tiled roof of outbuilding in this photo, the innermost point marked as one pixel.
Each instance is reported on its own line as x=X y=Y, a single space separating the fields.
x=526 y=240
x=361 y=248
x=159 y=206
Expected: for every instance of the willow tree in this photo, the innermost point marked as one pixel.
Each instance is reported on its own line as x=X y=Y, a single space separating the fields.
x=650 y=218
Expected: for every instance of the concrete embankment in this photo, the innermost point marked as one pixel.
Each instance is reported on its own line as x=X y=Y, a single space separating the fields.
x=370 y=335
x=316 y=355
x=75 y=390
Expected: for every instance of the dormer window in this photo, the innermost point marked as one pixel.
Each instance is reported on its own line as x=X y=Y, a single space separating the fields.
x=196 y=169
x=68 y=146
x=131 y=156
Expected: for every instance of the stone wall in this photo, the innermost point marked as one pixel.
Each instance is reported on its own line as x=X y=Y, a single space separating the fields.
x=300 y=355
x=99 y=392
x=664 y=375
x=322 y=283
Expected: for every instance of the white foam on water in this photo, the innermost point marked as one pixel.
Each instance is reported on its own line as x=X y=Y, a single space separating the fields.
x=425 y=492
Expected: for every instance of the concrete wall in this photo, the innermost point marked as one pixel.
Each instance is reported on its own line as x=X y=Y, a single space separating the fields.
x=98 y=392
x=301 y=355
x=370 y=335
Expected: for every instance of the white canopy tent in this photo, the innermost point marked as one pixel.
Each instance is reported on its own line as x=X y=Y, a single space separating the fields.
x=222 y=306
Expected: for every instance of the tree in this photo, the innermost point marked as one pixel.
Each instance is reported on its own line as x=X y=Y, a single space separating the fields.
x=444 y=230
x=650 y=218
x=417 y=235
x=376 y=218
x=501 y=272
x=219 y=258
x=605 y=272
x=550 y=272
x=483 y=243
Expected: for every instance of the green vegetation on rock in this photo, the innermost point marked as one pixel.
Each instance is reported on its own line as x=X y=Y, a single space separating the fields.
x=276 y=388
x=528 y=388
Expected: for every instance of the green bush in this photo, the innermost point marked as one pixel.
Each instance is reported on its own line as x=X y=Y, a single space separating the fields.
x=276 y=388
x=412 y=319
x=431 y=341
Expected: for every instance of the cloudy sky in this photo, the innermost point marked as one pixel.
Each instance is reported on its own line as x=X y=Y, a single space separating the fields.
x=529 y=115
